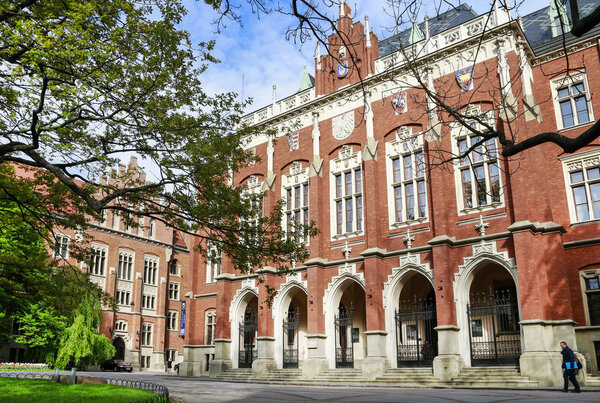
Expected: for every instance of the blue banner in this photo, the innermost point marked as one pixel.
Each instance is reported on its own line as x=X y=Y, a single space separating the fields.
x=182 y=331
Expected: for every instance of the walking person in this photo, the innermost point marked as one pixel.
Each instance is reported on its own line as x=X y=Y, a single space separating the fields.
x=569 y=366
x=169 y=365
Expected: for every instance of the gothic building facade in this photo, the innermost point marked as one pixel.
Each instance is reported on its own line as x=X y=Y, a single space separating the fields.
x=423 y=259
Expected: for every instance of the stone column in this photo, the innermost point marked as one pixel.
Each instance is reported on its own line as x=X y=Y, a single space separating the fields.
x=266 y=358
x=222 y=359
x=448 y=363
x=376 y=362
x=316 y=360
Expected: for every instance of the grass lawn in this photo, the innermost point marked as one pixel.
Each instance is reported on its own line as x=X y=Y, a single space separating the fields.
x=16 y=390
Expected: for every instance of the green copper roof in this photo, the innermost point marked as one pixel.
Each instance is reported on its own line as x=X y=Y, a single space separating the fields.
x=557 y=12
x=307 y=81
x=416 y=34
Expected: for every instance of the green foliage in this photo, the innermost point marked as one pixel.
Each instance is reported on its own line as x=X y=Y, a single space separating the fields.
x=43 y=390
x=85 y=84
x=80 y=342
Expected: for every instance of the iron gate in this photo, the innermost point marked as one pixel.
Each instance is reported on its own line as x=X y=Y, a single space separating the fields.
x=247 y=334
x=494 y=330
x=290 y=339
x=344 y=340
x=416 y=339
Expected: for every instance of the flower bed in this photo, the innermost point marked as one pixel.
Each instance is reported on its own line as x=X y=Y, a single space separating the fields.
x=23 y=366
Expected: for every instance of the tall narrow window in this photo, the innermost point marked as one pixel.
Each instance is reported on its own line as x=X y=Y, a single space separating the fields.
x=61 y=246
x=213 y=263
x=172 y=320
x=211 y=320
x=349 y=202
x=174 y=291
x=296 y=210
x=150 y=270
x=146 y=334
x=479 y=173
x=125 y=265
x=573 y=104
x=583 y=179
x=407 y=176
x=98 y=260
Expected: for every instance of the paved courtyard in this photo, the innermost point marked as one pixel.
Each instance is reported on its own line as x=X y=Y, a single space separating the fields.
x=203 y=389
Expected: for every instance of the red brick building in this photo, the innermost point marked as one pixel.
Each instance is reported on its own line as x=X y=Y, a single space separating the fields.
x=479 y=261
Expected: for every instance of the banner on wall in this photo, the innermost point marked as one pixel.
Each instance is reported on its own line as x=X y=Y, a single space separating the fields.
x=182 y=331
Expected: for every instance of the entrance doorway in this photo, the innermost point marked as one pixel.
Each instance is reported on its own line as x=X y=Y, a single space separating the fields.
x=493 y=318
x=415 y=319
x=119 y=345
x=247 y=336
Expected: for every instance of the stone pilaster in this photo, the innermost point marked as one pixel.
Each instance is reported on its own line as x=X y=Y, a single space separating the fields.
x=448 y=362
x=222 y=359
x=376 y=362
x=316 y=360
x=266 y=357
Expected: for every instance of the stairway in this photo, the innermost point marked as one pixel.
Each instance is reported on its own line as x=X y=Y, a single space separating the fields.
x=592 y=381
x=508 y=376
x=283 y=375
x=243 y=374
x=408 y=376
x=341 y=375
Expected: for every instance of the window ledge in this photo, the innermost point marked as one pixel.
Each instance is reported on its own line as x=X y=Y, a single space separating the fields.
x=566 y=129
x=473 y=210
x=587 y=222
x=347 y=235
x=408 y=223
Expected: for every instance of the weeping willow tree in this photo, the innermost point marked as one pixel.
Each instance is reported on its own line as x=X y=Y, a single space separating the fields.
x=81 y=343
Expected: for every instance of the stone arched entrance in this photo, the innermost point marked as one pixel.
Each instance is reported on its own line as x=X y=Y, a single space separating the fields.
x=488 y=309
x=345 y=318
x=244 y=326
x=290 y=323
x=415 y=321
x=119 y=345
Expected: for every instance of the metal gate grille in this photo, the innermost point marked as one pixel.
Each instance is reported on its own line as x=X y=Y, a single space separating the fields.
x=416 y=339
x=344 y=346
x=290 y=339
x=494 y=328
x=247 y=334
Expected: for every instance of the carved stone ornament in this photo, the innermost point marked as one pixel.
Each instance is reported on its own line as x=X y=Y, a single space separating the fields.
x=253 y=182
x=343 y=125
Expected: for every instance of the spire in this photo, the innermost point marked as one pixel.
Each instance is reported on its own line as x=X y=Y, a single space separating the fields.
x=318 y=56
x=427 y=35
x=342 y=8
x=307 y=81
x=416 y=34
x=368 y=31
x=559 y=20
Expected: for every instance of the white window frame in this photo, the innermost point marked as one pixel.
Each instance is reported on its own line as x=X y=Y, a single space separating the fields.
x=347 y=161
x=150 y=273
x=146 y=334
x=124 y=297
x=569 y=81
x=297 y=178
x=173 y=291
x=121 y=325
x=214 y=263
x=130 y=256
x=94 y=249
x=460 y=132
x=405 y=145
x=152 y=229
x=149 y=301
x=254 y=190
x=172 y=320
x=580 y=162
x=61 y=241
x=212 y=314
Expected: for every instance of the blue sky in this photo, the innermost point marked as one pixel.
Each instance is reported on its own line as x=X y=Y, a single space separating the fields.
x=259 y=51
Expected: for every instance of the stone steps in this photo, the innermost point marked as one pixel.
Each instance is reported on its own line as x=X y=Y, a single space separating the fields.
x=345 y=375
x=408 y=376
x=492 y=376
x=285 y=374
x=593 y=381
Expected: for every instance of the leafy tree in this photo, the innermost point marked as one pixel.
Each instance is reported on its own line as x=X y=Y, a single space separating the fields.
x=85 y=84
x=80 y=342
x=41 y=328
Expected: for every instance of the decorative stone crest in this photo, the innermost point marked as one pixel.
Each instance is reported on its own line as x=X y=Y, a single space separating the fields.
x=343 y=125
x=481 y=226
x=248 y=285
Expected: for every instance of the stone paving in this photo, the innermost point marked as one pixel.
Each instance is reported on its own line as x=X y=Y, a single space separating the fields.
x=204 y=389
